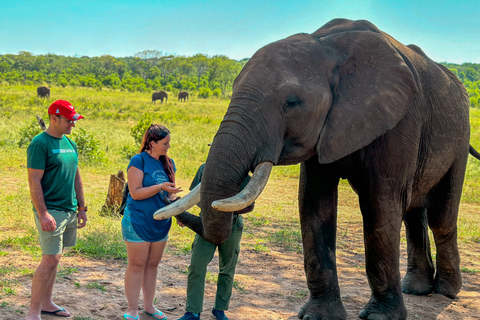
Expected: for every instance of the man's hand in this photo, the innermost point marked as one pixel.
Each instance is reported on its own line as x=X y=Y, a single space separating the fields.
x=180 y=224
x=81 y=219
x=47 y=222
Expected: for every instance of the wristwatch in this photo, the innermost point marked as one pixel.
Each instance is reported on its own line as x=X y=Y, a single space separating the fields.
x=83 y=208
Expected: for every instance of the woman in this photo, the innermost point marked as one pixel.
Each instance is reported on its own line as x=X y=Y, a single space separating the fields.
x=151 y=177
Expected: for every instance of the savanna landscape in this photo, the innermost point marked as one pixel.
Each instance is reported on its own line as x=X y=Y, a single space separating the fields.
x=270 y=280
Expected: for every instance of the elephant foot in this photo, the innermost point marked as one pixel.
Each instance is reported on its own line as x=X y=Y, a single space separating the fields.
x=418 y=283
x=448 y=283
x=318 y=308
x=390 y=309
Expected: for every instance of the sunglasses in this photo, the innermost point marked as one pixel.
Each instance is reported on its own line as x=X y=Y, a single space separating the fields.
x=69 y=121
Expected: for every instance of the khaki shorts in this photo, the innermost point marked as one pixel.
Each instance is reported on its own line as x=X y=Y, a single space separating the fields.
x=65 y=235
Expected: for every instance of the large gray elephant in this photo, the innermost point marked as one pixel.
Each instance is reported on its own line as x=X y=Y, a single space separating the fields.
x=348 y=102
x=159 y=95
x=43 y=92
x=183 y=96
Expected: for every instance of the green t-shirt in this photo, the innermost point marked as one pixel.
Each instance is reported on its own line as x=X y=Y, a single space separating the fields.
x=58 y=157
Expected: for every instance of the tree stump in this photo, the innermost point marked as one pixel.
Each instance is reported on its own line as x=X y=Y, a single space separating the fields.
x=115 y=192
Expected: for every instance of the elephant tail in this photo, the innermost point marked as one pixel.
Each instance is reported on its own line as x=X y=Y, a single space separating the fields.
x=474 y=152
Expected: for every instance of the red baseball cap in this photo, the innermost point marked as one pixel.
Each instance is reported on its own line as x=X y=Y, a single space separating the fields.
x=64 y=108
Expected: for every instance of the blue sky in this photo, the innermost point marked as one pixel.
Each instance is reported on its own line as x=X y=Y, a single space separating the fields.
x=448 y=31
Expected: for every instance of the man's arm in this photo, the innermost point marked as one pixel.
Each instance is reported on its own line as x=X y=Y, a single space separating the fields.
x=47 y=222
x=82 y=215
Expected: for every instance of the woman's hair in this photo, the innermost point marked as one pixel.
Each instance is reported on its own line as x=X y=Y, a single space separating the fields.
x=155 y=133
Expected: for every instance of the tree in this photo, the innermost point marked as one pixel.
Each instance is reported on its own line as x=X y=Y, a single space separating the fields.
x=165 y=66
x=200 y=63
x=150 y=56
x=23 y=62
x=223 y=70
x=142 y=68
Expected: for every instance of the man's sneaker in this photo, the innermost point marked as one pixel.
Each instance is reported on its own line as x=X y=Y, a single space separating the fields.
x=219 y=314
x=190 y=316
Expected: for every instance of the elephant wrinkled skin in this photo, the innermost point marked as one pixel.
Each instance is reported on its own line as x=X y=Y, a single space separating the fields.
x=159 y=95
x=350 y=102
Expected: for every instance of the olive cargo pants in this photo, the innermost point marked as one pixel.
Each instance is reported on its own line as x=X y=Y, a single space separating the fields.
x=202 y=254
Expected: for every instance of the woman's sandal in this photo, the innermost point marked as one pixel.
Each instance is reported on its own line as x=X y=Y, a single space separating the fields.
x=128 y=317
x=160 y=313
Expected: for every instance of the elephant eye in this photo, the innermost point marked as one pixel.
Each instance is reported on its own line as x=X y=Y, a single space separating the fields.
x=292 y=101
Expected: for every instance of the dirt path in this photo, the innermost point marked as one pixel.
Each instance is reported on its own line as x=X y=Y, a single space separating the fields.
x=271 y=285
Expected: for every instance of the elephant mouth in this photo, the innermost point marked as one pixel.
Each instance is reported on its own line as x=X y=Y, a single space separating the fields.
x=238 y=202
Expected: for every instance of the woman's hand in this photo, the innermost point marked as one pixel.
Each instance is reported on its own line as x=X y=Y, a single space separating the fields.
x=170 y=187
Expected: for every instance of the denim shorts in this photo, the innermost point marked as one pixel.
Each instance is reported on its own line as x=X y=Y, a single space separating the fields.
x=128 y=233
x=65 y=235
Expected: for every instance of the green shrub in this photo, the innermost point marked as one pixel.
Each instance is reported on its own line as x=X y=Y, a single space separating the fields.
x=217 y=92
x=129 y=151
x=139 y=130
x=63 y=82
x=88 y=147
x=205 y=93
x=28 y=132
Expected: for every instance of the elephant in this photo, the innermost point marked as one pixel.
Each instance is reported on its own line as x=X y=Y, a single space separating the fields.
x=43 y=92
x=183 y=95
x=159 y=95
x=347 y=102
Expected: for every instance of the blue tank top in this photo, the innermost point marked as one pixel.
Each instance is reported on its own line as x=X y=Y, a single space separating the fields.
x=141 y=211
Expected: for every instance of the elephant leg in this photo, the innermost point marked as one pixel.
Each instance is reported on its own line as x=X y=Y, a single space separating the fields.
x=382 y=221
x=419 y=277
x=442 y=218
x=318 y=216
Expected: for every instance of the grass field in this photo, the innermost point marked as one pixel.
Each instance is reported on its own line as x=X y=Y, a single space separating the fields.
x=109 y=117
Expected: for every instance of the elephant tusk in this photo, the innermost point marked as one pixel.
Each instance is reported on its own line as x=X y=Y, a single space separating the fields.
x=250 y=193
x=179 y=206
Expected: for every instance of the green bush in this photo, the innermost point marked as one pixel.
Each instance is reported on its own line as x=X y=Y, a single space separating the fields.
x=28 y=132
x=139 y=130
x=217 y=92
x=88 y=147
x=129 y=151
x=205 y=93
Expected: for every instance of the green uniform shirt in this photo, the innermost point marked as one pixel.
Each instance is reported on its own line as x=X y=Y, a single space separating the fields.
x=58 y=157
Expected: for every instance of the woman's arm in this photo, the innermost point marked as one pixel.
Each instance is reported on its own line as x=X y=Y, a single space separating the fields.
x=139 y=192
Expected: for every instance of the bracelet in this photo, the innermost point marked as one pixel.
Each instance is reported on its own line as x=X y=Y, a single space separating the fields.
x=160 y=185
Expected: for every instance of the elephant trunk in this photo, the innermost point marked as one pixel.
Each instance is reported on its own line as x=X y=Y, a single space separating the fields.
x=227 y=165
x=239 y=146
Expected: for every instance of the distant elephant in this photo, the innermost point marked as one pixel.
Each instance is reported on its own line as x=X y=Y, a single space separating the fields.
x=159 y=95
x=183 y=95
x=347 y=102
x=43 y=92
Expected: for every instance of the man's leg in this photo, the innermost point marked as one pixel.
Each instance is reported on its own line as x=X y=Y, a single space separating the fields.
x=228 y=257
x=42 y=287
x=202 y=254
x=52 y=243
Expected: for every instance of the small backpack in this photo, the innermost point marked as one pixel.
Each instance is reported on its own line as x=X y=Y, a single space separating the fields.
x=125 y=194
x=124 y=200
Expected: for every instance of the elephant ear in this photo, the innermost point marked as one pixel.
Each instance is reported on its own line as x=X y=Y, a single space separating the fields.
x=373 y=85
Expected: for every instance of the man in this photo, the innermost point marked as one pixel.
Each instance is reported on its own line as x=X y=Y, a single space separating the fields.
x=202 y=254
x=56 y=191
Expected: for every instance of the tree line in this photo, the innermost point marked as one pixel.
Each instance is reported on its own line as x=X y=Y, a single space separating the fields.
x=469 y=74
x=153 y=70
x=145 y=71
